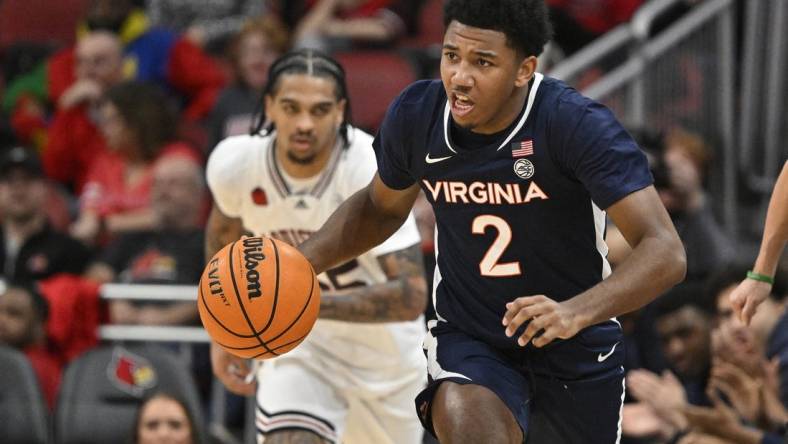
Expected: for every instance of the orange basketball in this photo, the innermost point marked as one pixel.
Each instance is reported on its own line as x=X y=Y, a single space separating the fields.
x=259 y=297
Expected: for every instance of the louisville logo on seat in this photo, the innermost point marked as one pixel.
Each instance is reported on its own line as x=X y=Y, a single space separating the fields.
x=131 y=373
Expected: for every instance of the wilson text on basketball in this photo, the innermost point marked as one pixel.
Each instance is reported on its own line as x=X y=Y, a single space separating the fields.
x=253 y=254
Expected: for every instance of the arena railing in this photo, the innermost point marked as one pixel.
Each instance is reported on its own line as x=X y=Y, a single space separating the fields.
x=621 y=39
x=762 y=130
x=151 y=293
x=184 y=336
x=684 y=75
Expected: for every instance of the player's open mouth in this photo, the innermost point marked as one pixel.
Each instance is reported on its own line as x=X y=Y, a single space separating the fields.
x=461 y=104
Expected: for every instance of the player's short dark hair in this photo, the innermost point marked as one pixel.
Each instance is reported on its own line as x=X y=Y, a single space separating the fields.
x=686 y=294
x=310 y=62
x=526 y=23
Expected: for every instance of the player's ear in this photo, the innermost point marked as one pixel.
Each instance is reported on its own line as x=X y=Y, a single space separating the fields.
x=525 y=71
x=341 y=111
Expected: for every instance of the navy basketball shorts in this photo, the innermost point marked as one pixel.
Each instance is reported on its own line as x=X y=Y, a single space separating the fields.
x=569 y=392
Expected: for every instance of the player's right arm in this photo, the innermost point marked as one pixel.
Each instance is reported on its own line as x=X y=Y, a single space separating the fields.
x=364 y=220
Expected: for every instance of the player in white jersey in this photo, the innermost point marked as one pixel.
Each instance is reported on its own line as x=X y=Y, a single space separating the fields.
x=354 y=378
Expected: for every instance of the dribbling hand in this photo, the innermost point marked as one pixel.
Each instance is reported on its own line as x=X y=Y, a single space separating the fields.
x=542 y=314
x=234 y=372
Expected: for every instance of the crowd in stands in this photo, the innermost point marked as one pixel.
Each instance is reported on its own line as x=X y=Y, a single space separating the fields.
x=102 y=149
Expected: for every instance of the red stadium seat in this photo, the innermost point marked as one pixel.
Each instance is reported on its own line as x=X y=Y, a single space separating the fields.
x=42 y=21
x=374 y=79
x=430 y=30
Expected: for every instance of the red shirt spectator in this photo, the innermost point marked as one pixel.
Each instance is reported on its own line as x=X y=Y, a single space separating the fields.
x=151 y=54
x=106 y=190
x=73 y=140
x=139 y=128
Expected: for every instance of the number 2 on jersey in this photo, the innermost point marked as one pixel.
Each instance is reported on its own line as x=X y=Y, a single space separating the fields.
x=489 y=265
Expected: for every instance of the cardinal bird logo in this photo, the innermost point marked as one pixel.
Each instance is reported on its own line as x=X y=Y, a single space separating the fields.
x=131 y=373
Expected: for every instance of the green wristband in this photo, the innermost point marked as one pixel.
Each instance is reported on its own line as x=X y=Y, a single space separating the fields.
x=760 y=277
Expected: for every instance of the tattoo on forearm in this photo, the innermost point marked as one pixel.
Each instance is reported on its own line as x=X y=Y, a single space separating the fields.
x=402 y=298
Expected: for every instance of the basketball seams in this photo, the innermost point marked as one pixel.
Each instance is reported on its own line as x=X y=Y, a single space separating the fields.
x=222 y=318
x=294 y=341
x=208 y=309
x=240 y=302
x=303 y=310
x=276 y=289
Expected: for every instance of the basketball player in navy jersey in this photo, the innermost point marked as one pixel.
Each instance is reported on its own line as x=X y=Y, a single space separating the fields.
x=521 y=171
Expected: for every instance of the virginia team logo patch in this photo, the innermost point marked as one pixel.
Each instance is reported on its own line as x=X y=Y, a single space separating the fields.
x=131 y=373
x=524 y=168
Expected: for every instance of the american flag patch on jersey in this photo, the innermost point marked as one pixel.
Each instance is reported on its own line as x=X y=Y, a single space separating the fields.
x=524 y=148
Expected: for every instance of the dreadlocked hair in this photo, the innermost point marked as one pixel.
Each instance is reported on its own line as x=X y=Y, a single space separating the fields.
x=312 y=63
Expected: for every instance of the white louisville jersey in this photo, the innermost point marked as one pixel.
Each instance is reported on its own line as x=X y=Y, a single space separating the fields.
x=248 y=183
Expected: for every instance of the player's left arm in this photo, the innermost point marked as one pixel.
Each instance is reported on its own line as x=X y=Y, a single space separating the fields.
x=402 y=298
x=657 y=262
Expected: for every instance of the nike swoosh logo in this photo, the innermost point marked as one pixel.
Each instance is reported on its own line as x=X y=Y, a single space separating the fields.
x=601 y=357
x=436 y=159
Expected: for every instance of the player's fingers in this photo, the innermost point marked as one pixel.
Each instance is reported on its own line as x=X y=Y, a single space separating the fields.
x=536 y=325
x=748 y=310
x=525 y=301
x=522 y=316
x=550 y=334
x=514 y=307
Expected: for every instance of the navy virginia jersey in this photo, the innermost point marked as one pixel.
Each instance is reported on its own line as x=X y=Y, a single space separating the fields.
x=520 y=217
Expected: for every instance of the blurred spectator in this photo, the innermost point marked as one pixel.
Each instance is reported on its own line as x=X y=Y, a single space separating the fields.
x=152 y=54
x=23 y=313
x=743 y=385
x=139 y=128
x=683 y=321
x=73 y=139
x=32 y=249
x=164 y=419
x=687 y=159
x=332 y=25
x=7 y=138
x=260 y=42
x=578 y=22
x=679 y=161
x=767 y=335
x=206 y=23
x=170 y=253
